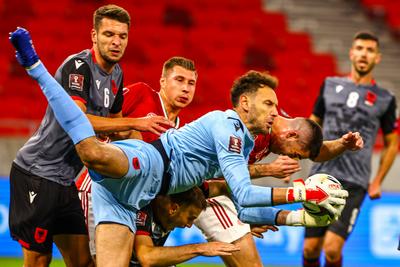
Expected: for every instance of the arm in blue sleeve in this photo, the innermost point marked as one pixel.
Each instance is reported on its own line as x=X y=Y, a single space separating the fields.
x=258 y=215
x=243 y=192
x=68 y=114
x=235 y=169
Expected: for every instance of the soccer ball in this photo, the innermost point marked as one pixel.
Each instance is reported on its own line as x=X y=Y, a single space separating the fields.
x=324 y=181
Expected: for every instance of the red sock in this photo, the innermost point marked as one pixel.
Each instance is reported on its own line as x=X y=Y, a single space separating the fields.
x=337 y=263
x=311 y=262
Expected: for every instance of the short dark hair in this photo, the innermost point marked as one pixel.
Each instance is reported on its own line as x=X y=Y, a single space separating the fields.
x=250 y=83
x=366 y=35
x=316 y=138
x=193 y=196
x=112 y=12
x=178 y=61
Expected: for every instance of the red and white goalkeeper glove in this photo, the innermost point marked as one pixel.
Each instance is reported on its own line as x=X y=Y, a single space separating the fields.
x=320 y=195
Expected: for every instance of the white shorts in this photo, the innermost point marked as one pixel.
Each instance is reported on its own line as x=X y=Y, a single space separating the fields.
x=86 y=201
x=220 y=222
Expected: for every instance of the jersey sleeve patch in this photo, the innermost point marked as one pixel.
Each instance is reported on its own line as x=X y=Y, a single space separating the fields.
x=76 y=82
x=235 y=144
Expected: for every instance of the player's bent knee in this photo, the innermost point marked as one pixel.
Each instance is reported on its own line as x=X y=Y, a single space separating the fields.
x=332 y=251
x=90 y=152
x=312 y=249
x=33 y=258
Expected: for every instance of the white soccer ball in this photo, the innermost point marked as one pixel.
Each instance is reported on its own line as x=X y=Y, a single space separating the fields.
x=325 y=182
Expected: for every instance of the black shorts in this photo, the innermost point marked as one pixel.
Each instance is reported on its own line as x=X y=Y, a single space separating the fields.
x=40 y=209
x=344 y=226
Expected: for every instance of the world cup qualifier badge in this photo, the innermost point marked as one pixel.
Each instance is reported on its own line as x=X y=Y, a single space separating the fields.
x=76 y=82
x=141 y=218
x=370 y=98
x=235 y=144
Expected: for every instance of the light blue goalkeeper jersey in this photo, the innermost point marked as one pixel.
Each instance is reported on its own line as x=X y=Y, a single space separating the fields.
x=216 y=144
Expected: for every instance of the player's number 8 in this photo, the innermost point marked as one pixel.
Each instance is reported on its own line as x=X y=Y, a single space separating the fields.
x=106 y=97
x=352 y=99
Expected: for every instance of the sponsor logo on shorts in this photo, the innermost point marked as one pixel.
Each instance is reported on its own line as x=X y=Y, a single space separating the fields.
x=235 y=144
x=40 y=235
x=76 y=82
x=32 y=196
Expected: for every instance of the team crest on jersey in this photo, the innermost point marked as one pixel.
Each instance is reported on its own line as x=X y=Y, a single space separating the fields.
x=235 y=144
x=114 y=87
x=76 y=82
x=370 y=98
x=141 y=218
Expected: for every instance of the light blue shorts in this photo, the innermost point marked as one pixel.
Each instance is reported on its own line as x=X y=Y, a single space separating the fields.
x=118 y=200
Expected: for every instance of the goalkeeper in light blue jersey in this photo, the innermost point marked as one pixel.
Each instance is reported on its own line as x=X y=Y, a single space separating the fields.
x=128 y=174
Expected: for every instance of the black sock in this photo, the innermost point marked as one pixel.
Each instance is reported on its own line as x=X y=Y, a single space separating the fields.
x=311 y=262
x=337 y=263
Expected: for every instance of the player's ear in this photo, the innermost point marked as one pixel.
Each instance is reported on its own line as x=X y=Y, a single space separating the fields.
x=163 y=82
x=378 y=58
x=244 y=102
x=173 y=208
x=292 y=135
x=93 y=34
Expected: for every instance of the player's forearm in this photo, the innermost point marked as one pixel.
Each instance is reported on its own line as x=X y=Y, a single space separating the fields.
x=217 y=188
x=259 y=215
x=330 y=149
x=260 y=170
x=108 y=125
x=167 y=256
x=388 y=156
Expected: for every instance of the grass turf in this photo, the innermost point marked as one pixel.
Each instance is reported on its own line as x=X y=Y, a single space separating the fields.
x=18 y=262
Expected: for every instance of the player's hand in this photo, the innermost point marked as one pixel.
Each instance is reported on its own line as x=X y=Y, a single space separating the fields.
x=152 y=124
x=352 y=141
x=25 y=52
x=258 y=230
x=286 y=180
x=284 y=166
x=330 y=199
x=374 y=191
x=303 y=218
x=211 y=249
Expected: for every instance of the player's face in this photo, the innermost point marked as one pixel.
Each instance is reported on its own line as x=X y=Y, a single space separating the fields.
x=178 y=87
x=262 y=110
x=364 y=55
x=184 y=217
x=291 y=148
x=111 y=40
x=286 y=140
